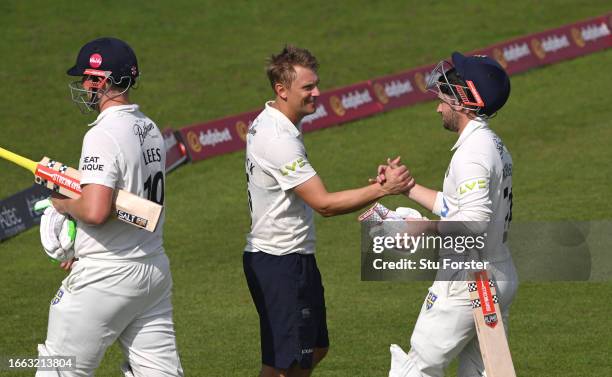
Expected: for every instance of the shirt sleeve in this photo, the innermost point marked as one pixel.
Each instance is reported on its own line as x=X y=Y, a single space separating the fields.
x=286 y=160
x=99 y=159
x=471 y=200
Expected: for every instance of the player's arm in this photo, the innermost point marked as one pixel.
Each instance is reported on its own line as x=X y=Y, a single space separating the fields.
x=426 y=197
x=93 y=207
x=314 y=193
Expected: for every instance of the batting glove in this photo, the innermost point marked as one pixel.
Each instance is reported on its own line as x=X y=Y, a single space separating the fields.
x=57 y=234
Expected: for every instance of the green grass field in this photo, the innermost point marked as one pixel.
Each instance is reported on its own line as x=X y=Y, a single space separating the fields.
x=204 y=62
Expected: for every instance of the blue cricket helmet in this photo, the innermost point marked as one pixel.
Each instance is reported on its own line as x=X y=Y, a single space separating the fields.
x=486 y=80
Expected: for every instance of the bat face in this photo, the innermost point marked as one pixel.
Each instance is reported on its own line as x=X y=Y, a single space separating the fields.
x=489 y=327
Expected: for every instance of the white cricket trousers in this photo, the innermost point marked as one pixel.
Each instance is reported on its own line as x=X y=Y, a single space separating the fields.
x=445 y=328
x=102 y=301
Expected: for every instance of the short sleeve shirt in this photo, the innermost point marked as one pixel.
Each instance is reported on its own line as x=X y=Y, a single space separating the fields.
x=276 y=162
x=478 y=186
x=124 y=150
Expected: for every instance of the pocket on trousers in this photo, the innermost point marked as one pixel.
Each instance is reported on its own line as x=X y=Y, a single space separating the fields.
x=70 y=283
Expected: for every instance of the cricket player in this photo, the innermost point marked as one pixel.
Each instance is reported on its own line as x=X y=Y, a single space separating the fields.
x=283 y=189
x=477 y=193
x=120 y=287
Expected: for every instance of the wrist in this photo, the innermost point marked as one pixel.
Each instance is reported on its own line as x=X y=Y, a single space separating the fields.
x=379 y=191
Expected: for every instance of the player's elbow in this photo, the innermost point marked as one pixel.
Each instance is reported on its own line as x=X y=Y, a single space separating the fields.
x=324 y=207
x=96 y=217
x=325 y=211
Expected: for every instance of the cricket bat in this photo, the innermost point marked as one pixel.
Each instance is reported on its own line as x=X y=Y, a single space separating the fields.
x=65 y=180
x=490 y=327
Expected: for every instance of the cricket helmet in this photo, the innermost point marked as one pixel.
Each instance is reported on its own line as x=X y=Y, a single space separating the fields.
x=107 y=57
x=106 y=60
x=476 y=83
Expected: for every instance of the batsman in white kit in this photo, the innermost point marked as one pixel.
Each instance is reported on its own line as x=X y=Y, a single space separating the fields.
x=477 y=191
x=119 y=287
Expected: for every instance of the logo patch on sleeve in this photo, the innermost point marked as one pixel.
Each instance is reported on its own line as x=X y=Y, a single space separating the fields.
x=92 y=163
x=292 y=166
x=472 y=185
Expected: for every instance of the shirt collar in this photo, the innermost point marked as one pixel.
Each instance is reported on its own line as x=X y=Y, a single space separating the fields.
x=285 y=122
x=112 y=110
x=473 y=125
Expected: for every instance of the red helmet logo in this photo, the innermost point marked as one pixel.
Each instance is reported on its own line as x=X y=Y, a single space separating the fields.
x=95 y=60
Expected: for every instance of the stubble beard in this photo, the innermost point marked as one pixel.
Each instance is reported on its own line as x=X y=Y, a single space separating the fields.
x=450 y=121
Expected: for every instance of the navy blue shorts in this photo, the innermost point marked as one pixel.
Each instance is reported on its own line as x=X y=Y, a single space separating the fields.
x=288 y=295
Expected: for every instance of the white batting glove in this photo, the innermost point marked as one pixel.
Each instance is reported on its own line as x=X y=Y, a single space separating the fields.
x=381 y=221
x=57 y=234
x=409 y=213
x=378 y=213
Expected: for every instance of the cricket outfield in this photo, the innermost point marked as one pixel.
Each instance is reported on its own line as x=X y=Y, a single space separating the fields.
x=204 y=62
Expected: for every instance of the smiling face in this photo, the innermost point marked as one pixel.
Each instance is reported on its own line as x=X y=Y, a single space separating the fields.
x=299 y=98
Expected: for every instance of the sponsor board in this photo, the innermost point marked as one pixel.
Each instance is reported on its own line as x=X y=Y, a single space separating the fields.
x=176 y=153
x=403 y=89
x=343 y=105
x=218 y=136
x=17 y=211
x=552 y=46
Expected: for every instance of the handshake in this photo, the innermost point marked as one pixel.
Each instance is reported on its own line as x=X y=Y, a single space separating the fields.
x=394 y=178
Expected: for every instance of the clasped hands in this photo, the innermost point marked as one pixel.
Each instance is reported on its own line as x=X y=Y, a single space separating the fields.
x=394 y=177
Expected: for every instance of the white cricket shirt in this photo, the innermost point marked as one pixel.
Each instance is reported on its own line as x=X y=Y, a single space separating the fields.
x=478 y=187
x=123 y=150
x=276 y=162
